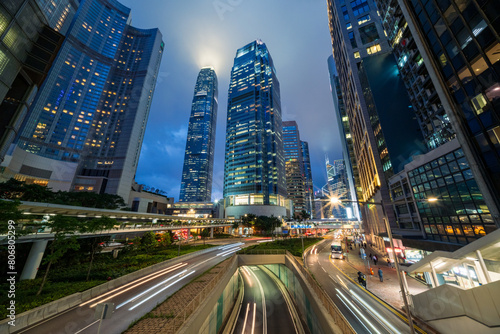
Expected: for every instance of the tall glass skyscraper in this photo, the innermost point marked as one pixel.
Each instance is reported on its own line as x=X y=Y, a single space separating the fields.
x=198 y=168
x=294 y=166
x=87 y=123
x=254 y=168
x=309 y=187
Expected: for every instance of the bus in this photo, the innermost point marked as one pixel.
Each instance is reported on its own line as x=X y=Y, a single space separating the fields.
x=336 y=248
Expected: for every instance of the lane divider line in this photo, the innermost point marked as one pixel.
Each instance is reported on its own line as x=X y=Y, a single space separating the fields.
x=384 y=303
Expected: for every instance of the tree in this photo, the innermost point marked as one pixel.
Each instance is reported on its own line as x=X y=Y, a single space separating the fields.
x=165 y=239
x=12 y=189
x=148 y=241
x=305 y=215
x=93 y=226
x=205 y=233
x=9 y=211
x=64 y=240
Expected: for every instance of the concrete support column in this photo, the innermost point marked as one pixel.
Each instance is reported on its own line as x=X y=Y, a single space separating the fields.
x=211 y=232
x=435 y=280
x=483 y=266
x=34 y=259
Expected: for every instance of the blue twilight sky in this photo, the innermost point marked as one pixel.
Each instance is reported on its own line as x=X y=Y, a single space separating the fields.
x=200 y=33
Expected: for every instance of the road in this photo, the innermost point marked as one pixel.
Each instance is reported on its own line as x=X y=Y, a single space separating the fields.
x=364 y=312
x=132 y=300
x=264 y=308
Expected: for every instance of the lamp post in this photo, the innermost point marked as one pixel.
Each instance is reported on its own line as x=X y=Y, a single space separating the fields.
x=334 y=200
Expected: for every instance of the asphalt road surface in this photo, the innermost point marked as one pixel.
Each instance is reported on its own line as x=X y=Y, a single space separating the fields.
x=264 y=309
x=364 y=312
x=132 y=300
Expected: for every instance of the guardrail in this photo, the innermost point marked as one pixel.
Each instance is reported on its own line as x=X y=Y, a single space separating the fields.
x=330 y=307
x=262 y=251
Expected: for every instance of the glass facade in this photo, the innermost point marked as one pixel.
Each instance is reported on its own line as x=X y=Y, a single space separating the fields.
x=462 y=40
x=254 y=166
x=93 y=106
x=309 y=187
x=196 y=185
x=432 y=118
x=27 y=48
x=294 y=166
x=460 y=214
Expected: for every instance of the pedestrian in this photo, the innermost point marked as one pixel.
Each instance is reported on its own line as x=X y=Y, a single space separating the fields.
x=375 y=259
x=389 y=264
x=371 y=256
x=380 y=274
x=364 y=245
x=362 y=279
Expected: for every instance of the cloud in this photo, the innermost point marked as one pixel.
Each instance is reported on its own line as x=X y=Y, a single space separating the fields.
x=195 y=35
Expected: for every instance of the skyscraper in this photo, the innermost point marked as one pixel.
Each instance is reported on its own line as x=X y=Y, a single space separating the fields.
x=309 y=187
x=351 y=167
x=357 y=34
x=460 y=44
x=87 y=123
x=27 y=49
x=197 y=173
x=294 y=166
x=254 y=166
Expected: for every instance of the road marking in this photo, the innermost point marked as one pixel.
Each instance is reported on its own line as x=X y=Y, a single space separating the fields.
x=354 y=314
x=254 y=312
x=246 y=316
x=151 y=288
x=137 y=283
x=264 y=316
x=157 y=292
x=84 y=328
x=358 y=311
x=386 y=305
x=323 y=269
x=333 y=279
x=382 y=321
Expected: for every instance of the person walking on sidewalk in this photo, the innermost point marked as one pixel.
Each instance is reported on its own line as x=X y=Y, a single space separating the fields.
x=375 y=259
x=380 y=274
x=389 y=264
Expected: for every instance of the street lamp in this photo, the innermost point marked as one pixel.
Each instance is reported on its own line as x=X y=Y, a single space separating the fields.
x=391 y=241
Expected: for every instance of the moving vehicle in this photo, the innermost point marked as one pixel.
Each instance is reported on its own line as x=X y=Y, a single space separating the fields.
x=336 y=248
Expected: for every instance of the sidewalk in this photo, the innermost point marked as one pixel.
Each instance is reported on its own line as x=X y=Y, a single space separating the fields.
x=389 y=289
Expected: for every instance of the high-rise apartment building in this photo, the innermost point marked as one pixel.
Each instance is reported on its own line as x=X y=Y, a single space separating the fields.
x=294 y=166
x=254 y=166
x=87 y=122
x=459 y=43
x=309 y=187
x=196 y=185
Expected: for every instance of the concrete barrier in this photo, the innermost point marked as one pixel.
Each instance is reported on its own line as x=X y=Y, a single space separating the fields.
x=48 y=310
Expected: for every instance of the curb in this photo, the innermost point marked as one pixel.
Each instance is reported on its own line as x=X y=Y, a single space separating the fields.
x=56 y=307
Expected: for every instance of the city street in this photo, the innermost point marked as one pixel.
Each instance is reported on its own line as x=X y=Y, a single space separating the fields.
x=264 y=308
x=365 y=312
x=132 y=300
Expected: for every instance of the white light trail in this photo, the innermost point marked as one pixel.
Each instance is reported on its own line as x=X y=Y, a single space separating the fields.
x=151 y=288
x=136 y=283
x=246 y=317
x=253 y=321
x=168 y=286
x=368 y=307
x=358 y=311
x=264 y=316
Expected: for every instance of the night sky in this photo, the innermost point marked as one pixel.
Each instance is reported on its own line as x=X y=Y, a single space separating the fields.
x=201 y=33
